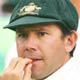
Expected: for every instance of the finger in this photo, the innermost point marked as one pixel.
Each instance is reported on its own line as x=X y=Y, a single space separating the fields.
x=27 y=72
x=21 y=64
x=3 y=77
x=0 y=77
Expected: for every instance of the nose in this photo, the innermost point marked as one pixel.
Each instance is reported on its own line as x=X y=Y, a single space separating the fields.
x=31 y=43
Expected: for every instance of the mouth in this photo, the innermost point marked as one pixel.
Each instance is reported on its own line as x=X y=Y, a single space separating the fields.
x=33 y=60
x=36 y=62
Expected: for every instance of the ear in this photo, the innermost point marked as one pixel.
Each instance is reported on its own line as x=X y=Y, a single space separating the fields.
x=70 y=41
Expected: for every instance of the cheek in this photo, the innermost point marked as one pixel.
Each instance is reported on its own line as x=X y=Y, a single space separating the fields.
x=51 y=45
x=48 y=49
x=20 y=49
x=53 y=49
x=54 y=57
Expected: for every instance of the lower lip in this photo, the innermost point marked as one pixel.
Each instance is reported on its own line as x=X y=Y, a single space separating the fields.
x=36 y=61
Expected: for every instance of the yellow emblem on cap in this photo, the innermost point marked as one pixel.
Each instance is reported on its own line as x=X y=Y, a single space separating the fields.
x=31 y=9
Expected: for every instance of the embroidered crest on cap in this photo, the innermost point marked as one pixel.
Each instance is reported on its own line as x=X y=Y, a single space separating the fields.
x=30 y=9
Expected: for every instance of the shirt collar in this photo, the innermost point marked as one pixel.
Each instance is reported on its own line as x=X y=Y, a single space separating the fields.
x=63 y=71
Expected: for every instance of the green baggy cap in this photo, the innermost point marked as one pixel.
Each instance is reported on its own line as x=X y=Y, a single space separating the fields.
x=29 y=12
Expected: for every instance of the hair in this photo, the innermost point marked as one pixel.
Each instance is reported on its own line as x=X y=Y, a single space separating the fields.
x=66 y=32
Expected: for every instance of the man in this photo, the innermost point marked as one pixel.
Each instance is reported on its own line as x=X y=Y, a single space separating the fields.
x=45 y=37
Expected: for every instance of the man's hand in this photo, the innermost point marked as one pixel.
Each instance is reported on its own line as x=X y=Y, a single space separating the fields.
x=19 y=69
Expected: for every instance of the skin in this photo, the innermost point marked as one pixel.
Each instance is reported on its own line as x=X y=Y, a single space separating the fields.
x=42 y=51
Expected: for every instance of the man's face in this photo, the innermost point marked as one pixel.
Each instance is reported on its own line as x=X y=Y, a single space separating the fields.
x=43 y=44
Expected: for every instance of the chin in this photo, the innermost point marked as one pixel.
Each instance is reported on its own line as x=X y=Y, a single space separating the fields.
x=37 y=73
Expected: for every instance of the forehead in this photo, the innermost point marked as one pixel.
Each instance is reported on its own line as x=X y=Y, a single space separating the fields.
x=37 y=27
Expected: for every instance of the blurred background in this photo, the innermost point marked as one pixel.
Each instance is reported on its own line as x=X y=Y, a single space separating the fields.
x=7 y=37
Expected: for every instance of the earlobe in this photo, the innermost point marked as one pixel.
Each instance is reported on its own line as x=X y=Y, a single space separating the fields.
x=70 y=41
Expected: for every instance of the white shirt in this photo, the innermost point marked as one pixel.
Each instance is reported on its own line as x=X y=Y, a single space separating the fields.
x=70 y=71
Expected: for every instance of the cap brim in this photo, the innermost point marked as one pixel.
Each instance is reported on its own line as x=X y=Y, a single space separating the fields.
x=29 y=20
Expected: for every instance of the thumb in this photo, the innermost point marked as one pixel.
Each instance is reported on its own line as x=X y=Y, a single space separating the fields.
x=27 y=72
x=0 y=77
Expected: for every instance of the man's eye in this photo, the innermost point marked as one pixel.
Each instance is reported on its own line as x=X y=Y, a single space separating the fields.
x=22 y=35
x=42 y=33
